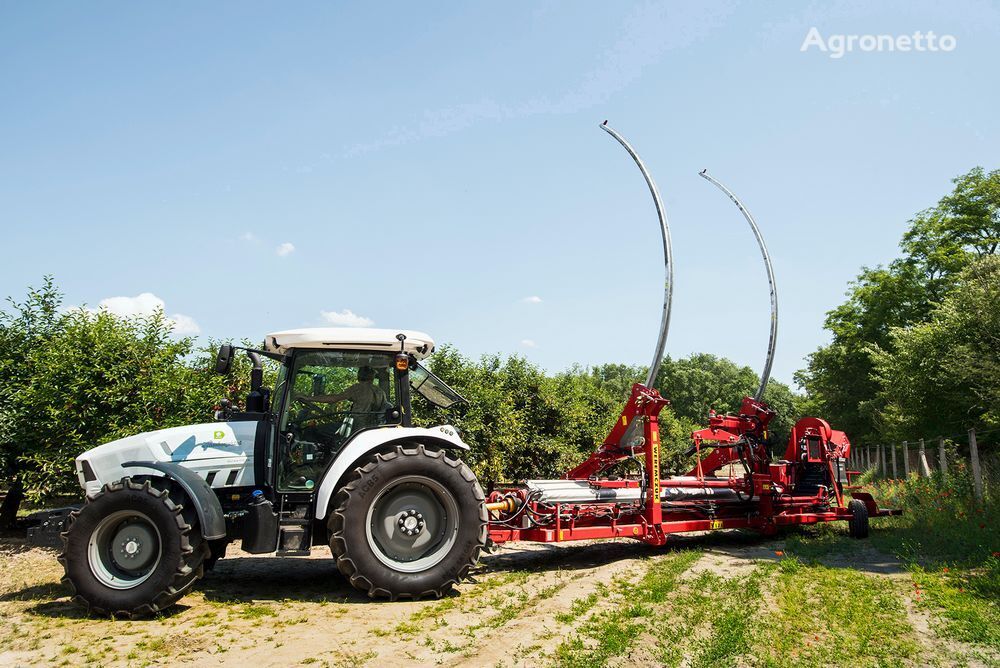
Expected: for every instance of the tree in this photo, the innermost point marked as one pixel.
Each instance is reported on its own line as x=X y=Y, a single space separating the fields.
x=938 y=245
x=71 y=379
x=523 y=423
x=943 y=375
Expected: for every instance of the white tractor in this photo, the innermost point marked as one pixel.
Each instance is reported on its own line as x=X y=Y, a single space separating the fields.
x=330 y=456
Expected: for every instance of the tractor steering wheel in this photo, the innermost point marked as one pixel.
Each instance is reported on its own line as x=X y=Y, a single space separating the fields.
x=311 y=410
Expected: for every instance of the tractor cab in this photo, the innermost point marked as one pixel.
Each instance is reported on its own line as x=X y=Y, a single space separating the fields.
x=339 y=393
x=335 y=383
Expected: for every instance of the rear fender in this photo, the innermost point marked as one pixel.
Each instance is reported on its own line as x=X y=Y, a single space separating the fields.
x=445 y=437
x=206 y=503
x=868 y=500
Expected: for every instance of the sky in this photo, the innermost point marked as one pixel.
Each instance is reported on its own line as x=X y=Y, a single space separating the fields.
x=251 y=167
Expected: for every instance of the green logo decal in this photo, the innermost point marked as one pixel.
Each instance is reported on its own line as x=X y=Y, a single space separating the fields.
x=219 y=435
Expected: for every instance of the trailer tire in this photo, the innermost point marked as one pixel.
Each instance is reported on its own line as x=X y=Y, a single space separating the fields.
x=409 y=523
x=858 y=524
x=130 y=520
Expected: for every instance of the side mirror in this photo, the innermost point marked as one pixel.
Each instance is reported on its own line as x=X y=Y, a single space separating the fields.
x=224 y=360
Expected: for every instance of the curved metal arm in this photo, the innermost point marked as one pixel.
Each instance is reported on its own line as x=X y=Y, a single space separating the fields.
x=772 y=342
x=668 y=259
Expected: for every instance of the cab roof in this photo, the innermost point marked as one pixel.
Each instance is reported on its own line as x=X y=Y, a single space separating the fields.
x=419 y=344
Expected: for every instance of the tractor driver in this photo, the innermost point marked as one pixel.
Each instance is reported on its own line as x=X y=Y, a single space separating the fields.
x=367 y=399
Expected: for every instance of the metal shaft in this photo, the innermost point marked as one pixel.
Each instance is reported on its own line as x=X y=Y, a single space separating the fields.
x=668 y=258
x=772 y=341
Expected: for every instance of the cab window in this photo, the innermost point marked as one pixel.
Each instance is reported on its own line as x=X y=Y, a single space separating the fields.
x=330 y=396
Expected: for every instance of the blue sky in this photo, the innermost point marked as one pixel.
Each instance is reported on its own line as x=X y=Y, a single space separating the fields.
x=435 y=167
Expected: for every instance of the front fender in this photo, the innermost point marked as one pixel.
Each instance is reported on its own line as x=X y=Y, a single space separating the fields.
x=206 y=503
x=367 y=442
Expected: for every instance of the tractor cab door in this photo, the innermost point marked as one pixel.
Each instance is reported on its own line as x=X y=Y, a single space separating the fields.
x=328 y=397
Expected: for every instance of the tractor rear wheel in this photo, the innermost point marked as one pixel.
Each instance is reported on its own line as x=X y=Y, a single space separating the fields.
x=409 y=523
x=858 y=524
x=131 y=550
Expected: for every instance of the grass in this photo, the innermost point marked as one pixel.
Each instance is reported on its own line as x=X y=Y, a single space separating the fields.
x=577 y=608
x=610 y=634
x=966 y=603
x=834 y=616
x=950 y=542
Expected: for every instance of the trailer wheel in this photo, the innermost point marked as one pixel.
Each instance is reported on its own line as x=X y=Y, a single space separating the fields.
x=131 y=551
x=858 y=524
x=410 y=523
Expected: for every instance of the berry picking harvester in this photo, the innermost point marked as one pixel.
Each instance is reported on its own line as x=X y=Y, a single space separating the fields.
x=735 y=483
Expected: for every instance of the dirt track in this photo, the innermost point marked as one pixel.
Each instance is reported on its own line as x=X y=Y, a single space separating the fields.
x=264 y=611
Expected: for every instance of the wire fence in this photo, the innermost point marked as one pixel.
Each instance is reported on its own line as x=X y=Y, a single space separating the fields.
x=926 y=457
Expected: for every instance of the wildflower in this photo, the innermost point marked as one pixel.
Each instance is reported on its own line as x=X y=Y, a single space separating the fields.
x=779 y=553
x=944 y=570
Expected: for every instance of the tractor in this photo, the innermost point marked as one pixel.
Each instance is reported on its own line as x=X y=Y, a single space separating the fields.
x=330 y=456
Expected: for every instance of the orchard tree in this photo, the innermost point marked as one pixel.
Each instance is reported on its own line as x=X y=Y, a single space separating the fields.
x=71 y=379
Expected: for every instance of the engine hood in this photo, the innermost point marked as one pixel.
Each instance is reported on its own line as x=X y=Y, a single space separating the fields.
x=214 y=447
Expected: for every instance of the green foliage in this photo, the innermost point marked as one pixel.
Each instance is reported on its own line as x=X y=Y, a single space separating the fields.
x=950 y=541
x=942 y=524
x=523 y=423
x=71 y=379
x=854 y=380
x=943 y=375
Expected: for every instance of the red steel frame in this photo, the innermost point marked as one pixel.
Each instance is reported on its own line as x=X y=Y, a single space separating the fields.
x=761 y=498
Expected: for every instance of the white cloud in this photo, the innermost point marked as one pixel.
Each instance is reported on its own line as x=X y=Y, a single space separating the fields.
x=534 y=299
x=146 y=304
x=184 y=325
x=250 y=237
x=528 y=343
x=284 y=249
x=346 y=318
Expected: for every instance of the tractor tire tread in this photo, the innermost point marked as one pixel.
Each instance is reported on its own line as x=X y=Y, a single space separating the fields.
x=194 y=550
x=336 y=522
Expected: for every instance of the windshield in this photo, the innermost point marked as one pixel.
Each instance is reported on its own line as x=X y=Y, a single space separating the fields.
x=432 y=388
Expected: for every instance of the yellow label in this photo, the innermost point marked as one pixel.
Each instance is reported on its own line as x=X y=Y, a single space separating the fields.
x=715 y=524
x=562 y=535
x=219 y=435
x=624 y=420
x=766 y=486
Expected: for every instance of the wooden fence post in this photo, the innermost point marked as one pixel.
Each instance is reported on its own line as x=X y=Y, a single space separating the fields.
x=906 y=460
x=885 y=471
x=868 y=457
x=894 y=475
x=977 y=473
x=942 y=458
x=925 y=470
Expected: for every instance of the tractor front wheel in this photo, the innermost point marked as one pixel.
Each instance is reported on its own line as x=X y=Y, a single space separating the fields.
x=410 y=523
x=130 y=551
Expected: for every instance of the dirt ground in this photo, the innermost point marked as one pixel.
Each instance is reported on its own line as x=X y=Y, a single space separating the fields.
x=266 y=611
